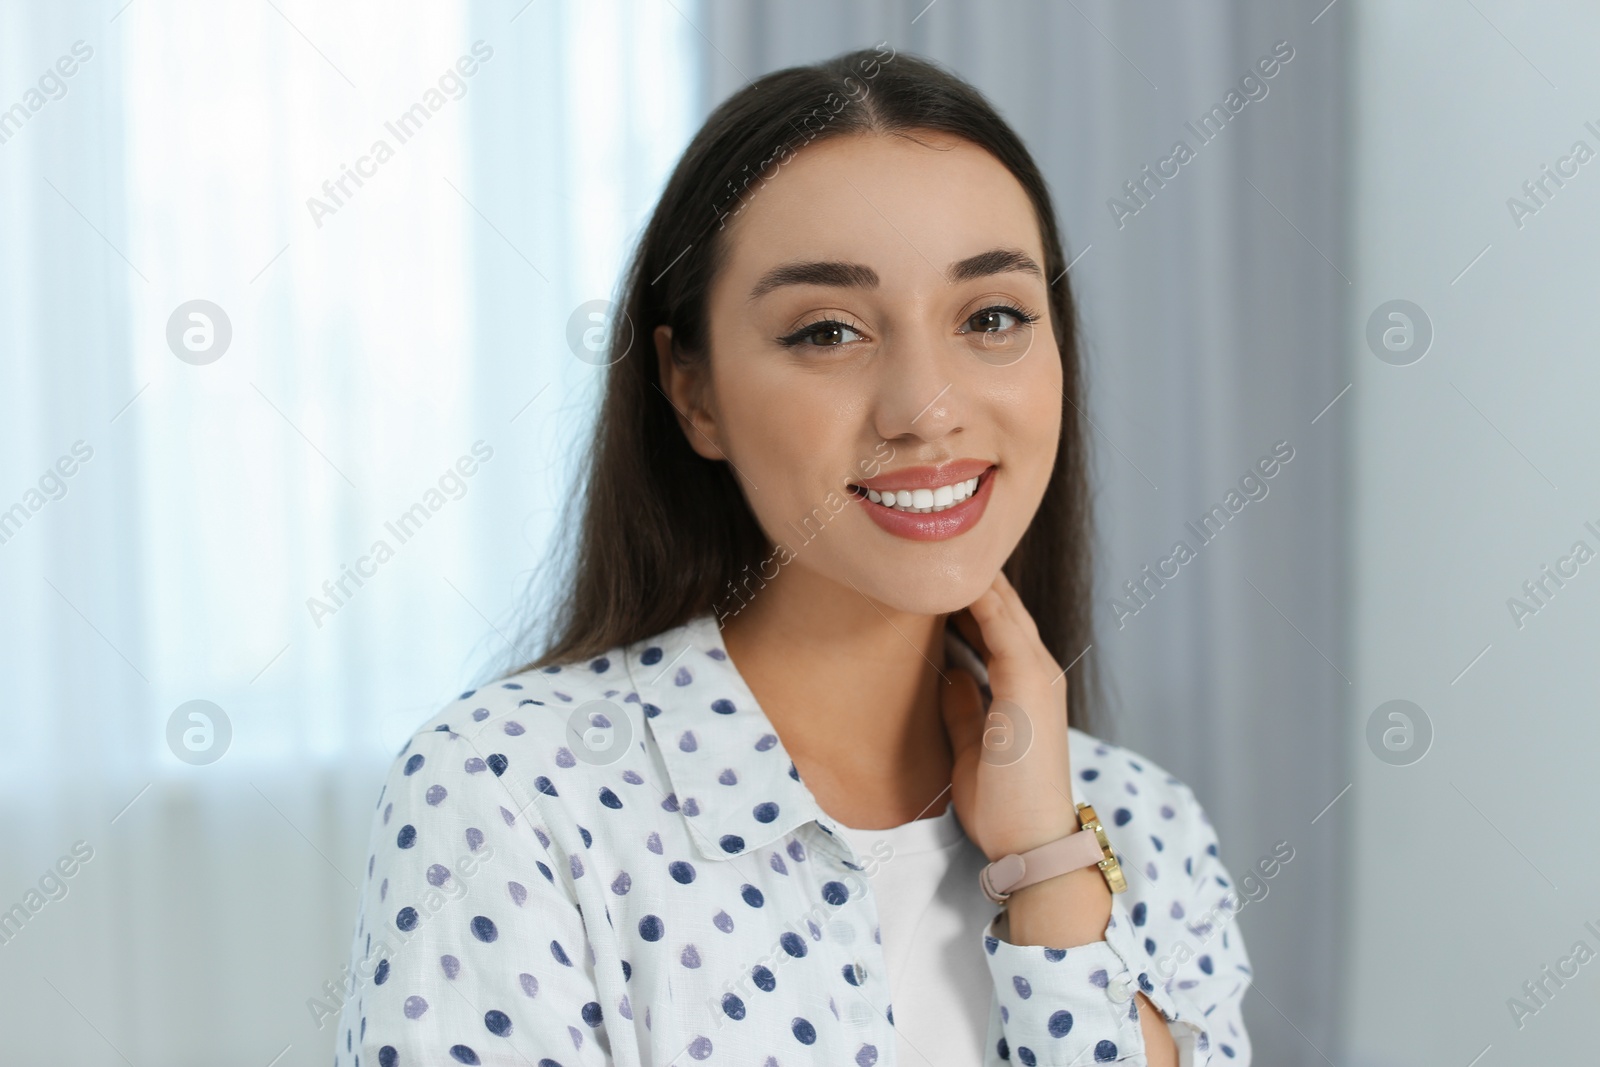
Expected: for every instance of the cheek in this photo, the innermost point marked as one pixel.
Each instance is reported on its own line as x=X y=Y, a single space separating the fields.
x=755 y=429
x=1028 y=411
x=1047 y=374
x=777 y=431
x=786 y=440
x=1046 y=400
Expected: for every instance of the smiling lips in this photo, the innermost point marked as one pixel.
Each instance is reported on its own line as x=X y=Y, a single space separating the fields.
x=928 y=503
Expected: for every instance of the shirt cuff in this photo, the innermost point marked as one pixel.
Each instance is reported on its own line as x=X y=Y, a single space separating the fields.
x=1075 y=1006
x=1183 y=1036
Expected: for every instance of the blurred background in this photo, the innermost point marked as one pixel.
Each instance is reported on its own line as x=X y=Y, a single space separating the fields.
x=223 y=376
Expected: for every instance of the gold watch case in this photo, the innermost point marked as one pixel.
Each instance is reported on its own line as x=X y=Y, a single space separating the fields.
x=1108 y=865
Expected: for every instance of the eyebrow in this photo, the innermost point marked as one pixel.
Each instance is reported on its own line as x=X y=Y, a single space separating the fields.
x=860 y=276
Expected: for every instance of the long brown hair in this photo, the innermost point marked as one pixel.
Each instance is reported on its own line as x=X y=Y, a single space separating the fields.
x=664 y=532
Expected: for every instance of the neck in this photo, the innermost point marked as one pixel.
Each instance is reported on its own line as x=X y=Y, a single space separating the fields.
x=852 y=689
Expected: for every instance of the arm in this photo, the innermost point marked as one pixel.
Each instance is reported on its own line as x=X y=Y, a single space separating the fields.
x=470 y=947
x=1068 y=971
x=1208 y=972
x=1196 y=982
x=1072 y=910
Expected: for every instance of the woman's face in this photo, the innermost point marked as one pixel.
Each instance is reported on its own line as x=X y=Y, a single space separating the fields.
x=869 y=336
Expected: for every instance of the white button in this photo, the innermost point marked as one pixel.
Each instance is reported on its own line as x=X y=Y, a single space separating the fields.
x=1120 y=988
x=861 y=972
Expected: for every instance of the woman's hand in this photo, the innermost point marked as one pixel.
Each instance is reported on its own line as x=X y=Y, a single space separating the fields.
x=1012 y=779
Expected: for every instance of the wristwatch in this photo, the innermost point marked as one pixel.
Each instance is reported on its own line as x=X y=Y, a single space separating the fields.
x=1089 y=845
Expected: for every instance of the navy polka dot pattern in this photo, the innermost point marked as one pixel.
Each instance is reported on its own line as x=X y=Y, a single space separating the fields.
x=532 y=901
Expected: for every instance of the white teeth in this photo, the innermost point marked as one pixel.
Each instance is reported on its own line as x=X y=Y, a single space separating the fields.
x=925 y=501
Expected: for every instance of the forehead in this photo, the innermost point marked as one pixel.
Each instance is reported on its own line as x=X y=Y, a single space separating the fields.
x=885 y=200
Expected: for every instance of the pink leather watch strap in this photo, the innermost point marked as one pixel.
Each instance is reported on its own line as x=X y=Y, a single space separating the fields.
x=1010 y=873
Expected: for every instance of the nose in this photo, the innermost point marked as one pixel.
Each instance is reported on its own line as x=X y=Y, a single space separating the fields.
x=917 y=391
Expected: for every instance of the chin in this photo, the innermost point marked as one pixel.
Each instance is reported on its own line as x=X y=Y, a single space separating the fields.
x=926 y=594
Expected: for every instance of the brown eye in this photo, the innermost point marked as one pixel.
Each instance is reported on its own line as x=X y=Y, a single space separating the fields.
x=995 y=319
x=826 y=334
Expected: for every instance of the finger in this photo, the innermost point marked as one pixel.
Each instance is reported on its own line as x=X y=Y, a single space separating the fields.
x=1005 y=595
x=962 y=706
x=968 y=627
x=1014 y=623
x=1013 y=601
x=1006 y=639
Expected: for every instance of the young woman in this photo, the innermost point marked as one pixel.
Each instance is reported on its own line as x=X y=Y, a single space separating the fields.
x=808 y=693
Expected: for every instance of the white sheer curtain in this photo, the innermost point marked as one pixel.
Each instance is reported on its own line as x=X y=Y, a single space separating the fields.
x=398 y=347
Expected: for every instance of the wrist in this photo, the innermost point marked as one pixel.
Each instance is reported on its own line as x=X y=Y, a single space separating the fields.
x=1062 y=912
x=1067 y=853
x=1028 y=834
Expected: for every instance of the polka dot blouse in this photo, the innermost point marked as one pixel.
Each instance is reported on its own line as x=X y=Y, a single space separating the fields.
x=616 y=862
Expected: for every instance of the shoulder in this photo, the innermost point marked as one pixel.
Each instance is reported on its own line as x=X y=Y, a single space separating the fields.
x=1115 y=772
x=533 y=699
x=1152 y=817
x=1180 y=905
x=528 y=722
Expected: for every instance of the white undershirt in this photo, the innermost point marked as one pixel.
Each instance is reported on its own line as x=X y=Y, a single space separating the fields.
x=929 y=909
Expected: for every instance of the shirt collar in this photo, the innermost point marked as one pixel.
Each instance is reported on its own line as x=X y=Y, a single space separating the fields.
x=733 y=781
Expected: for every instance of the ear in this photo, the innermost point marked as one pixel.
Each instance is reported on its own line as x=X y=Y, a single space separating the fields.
x=687 y=386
